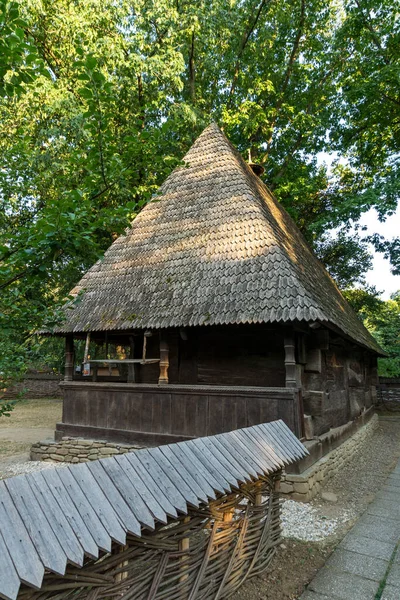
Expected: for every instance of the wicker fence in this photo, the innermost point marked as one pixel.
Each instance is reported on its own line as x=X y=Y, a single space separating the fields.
x=206 y=554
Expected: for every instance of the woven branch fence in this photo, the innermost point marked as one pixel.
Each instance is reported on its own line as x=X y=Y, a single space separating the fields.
x=207 y=554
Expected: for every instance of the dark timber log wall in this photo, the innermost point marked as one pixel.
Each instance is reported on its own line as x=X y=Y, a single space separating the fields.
x=347 y=376
x=155 y=414
x=226 y=355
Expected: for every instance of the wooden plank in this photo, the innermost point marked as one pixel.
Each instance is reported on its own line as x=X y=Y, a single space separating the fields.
x=265 y=452
x=270 y=431
x=226 y=413
x=57 y=489
x=189 y=414
x=174 y=475
x=178 y=465
x=124 y=513
x=164 y=483
x=141 y=473
x=142 y=482
x=83 y=506
x=128 y=491
x=156 y=412
x=47 y=546
x=295 y=448
x=209 y=465
x=256 y=451
x=57 y=520
x=146 y=412
x=230 y=461
x=243 y=449
x=165 y=416
x=99 y=502
x=267 y=438
x=9 y=580
x=292 y=451
x=281 y=426
x=19 y=545
x=127 y=361
x=231 y=451
x=266 y=449
x=210 y=455
x=198 y=469
x=193 y=469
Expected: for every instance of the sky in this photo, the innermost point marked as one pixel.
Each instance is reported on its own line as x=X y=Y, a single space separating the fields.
x=380 y=275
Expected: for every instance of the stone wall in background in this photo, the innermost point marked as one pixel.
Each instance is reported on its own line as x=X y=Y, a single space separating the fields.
x=77 y=450
x=308 y=484
x=36 y=385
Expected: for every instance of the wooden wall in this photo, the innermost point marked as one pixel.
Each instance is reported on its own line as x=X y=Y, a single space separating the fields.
x=160 y=414
x=227 y=355
x=347 y=377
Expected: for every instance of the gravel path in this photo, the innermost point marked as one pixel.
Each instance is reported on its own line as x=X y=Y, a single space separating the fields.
x=361 y=478
x=30 y=466
x=309 y=523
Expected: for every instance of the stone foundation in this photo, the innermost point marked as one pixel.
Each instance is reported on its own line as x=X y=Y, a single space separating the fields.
x=306 y=485
x=77 y=450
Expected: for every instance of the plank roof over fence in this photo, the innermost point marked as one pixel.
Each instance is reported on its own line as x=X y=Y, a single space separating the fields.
x=57 y=516
x=214 y=247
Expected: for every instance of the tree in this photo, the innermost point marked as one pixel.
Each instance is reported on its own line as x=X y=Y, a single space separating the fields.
x=100 y=100
x=382 y=318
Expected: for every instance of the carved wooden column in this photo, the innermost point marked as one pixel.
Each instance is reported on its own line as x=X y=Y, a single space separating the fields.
x=290 y=359
x=69 y=358
x=164 y=361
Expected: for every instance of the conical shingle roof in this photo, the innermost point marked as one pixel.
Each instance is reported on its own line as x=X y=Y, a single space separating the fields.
x=214 y=247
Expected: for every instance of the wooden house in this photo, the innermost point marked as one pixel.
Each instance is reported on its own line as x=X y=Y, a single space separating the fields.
x=223 y=318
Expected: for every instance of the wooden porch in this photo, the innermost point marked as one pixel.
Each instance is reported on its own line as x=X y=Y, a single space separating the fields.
x=152 y=414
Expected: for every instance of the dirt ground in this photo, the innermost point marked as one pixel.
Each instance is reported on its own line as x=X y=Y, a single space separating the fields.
x=29 y=422
x=295 y=562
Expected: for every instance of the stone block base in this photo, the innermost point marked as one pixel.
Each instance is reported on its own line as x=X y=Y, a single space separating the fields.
x=77 y=450
x=306 y=485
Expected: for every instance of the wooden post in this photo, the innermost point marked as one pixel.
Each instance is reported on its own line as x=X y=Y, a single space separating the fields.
x=133 y=369
x=290 y=360
x=164 y=361
x=123 y=574
x=228 y=515
x=184 y=545
x=86 y=366
x=69 y=358
x=86 y=353
x=258 y=498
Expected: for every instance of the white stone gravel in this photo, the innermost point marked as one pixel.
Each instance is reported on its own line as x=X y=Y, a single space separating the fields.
x=308 y=523
x=31 y=466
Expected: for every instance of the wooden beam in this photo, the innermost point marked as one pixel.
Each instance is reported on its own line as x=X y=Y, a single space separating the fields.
x=69 y=358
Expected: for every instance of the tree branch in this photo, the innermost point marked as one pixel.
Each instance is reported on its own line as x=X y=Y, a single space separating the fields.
x=288 y=72
x=244 y=41
x=192 y=89
x=13 y=279
x=372 y=31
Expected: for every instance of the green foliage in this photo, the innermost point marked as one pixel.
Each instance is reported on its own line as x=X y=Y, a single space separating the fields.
x=382 y=318
x=100 y=100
